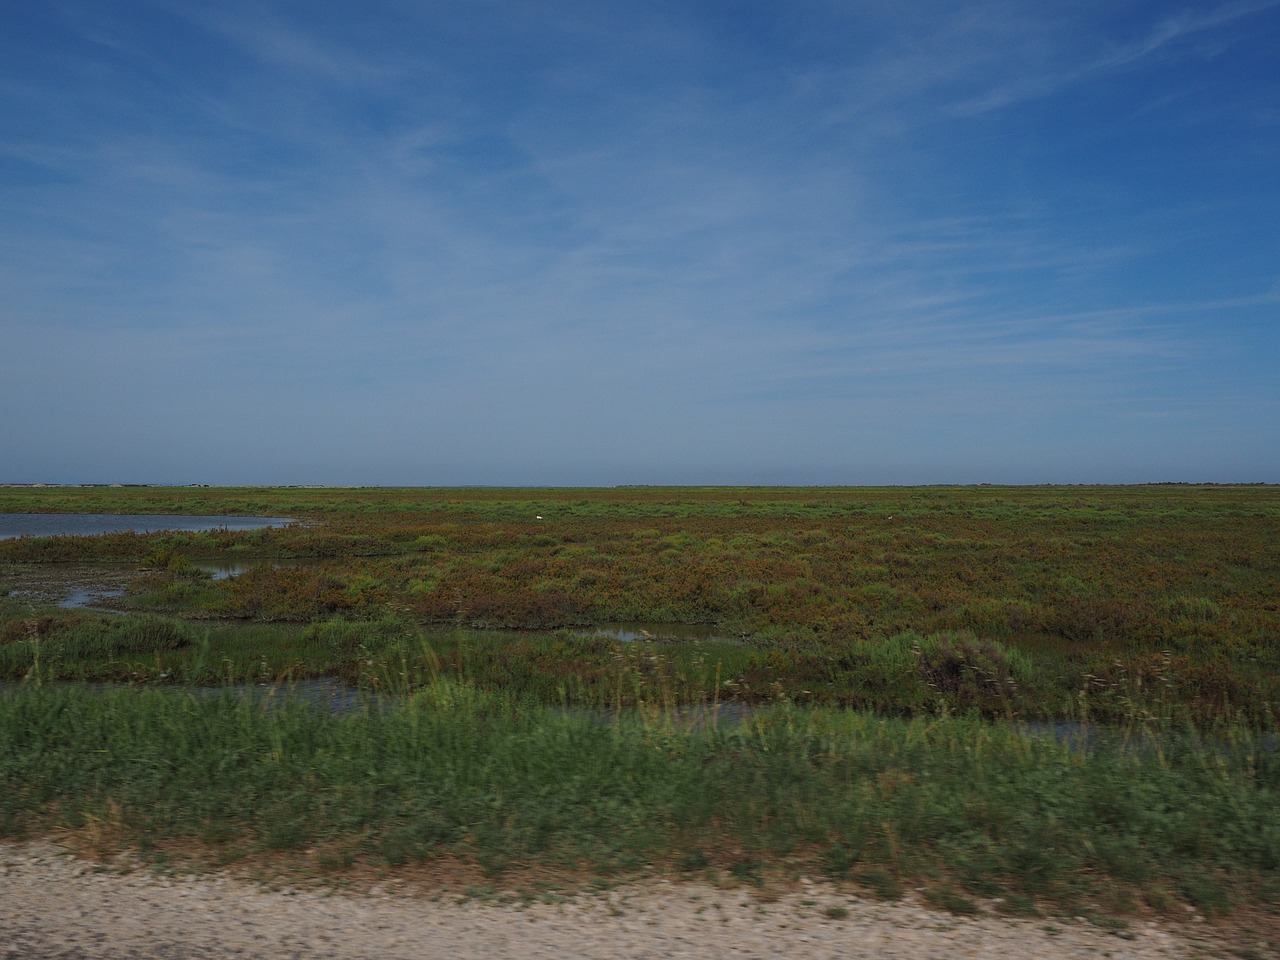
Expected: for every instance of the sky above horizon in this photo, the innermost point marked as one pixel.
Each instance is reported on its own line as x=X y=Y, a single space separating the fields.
x=594 y=243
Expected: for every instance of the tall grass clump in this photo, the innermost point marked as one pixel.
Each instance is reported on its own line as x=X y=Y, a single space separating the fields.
x=124 y=636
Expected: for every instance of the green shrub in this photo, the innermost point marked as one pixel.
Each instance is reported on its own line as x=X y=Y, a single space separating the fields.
x=969 y=671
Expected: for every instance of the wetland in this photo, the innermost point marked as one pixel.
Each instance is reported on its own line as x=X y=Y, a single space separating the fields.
x=891 y=659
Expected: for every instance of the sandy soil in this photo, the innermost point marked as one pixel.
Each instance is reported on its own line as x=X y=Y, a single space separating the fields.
x=54 y=905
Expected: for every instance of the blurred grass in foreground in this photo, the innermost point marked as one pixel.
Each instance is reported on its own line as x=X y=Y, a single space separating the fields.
x=958 y=805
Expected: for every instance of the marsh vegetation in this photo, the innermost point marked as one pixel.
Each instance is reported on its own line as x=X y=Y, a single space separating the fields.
x=894 y=645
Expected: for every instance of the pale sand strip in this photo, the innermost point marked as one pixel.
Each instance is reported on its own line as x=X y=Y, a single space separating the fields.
x=54 y=905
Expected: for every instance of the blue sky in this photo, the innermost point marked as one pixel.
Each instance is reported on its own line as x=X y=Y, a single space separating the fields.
x=591 y=243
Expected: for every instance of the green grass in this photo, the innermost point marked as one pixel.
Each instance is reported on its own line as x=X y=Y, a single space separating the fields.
x=507 y=784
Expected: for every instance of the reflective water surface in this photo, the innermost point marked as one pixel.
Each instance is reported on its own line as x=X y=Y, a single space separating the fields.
x=662 y=632
x=92 y=524
x=226 y=569
x=79 y=597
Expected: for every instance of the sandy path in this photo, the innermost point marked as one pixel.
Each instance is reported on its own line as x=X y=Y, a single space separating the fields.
x=53 y=905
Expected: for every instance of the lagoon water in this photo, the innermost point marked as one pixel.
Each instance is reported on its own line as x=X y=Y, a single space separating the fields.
x=91 y=524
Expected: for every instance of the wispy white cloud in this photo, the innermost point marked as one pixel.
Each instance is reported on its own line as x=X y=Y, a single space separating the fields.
x=1033 y=80
x=576 y=243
